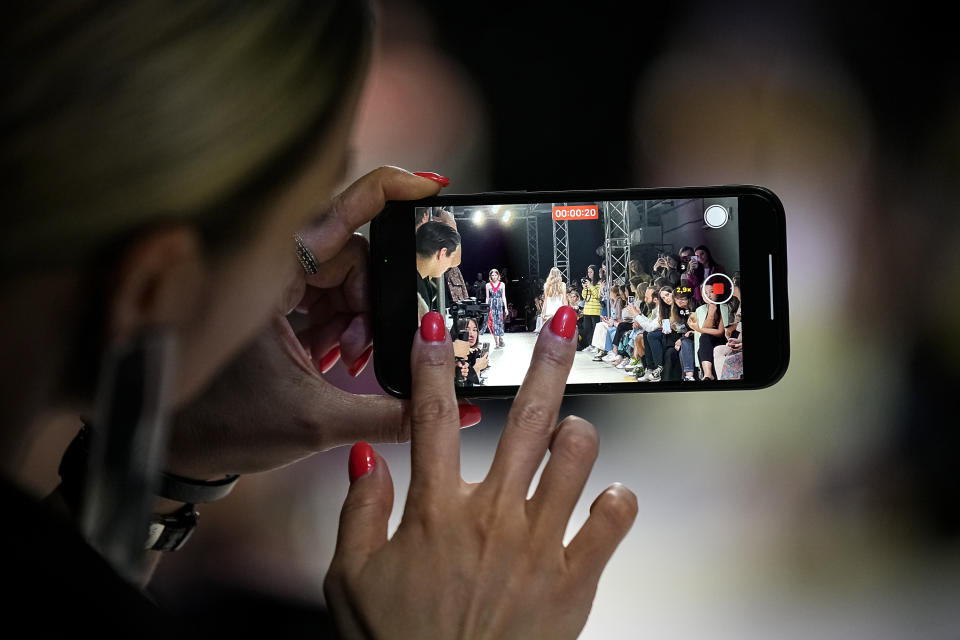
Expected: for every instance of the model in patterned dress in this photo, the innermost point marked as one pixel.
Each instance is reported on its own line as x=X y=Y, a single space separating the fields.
x=497 y=299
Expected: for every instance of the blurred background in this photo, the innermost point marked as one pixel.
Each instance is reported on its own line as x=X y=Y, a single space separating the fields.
x=825 y=507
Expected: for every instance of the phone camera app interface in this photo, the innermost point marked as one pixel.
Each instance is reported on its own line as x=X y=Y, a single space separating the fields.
x=655 y=283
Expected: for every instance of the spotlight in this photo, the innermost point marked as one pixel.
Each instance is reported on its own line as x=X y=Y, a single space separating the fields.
x=506 y=216
x=478 y=217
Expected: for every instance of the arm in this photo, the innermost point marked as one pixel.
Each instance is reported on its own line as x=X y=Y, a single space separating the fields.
x=503 y=285
x=486 y=290
x=718 y=331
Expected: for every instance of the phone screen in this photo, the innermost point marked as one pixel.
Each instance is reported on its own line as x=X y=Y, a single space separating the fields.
x=495 y=260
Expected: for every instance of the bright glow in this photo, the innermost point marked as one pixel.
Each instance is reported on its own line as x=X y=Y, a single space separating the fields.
x=506 y=216
x=478 y=217
x=496 y=208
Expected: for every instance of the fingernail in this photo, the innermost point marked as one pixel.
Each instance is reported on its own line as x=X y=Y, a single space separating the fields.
x=469 y=415
x=329 y=360
x=436 y=177
x=564 y=322
x=361 y=362
x=362 y=460
x=431 y=327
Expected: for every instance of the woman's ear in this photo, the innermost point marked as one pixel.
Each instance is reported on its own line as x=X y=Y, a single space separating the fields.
x=157 y=282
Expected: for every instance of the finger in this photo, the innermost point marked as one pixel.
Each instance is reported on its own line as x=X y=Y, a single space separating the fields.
x=611 y=516
x=319 y=341
x=572 y=454
x=359 y=203
x=533 y=417
x=347 y=271
x=434 y=422
x=366 y=510
x=341 y=418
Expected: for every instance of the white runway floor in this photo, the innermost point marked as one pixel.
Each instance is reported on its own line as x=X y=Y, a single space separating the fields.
x=509 y=365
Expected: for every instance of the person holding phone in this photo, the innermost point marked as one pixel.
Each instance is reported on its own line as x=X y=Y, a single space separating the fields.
x=709 y=322
x=497 y=299
x=679 y=318
x=184 y=292
x=477 y=359
x=657 y=329
x=590 y=292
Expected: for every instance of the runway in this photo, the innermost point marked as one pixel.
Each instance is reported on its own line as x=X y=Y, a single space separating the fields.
x=509 y=365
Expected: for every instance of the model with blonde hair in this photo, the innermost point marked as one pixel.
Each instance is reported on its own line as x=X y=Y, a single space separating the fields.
x=554 y=293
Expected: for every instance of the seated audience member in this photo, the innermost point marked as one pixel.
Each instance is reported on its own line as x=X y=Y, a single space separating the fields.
x=573 y=300
x=601 y=341
x=666 y=270
x=709 y=322
x=477 y=359
x=706 y=261
x=692 y=274
x=679 y=316
x=635 y=270
x=655 y=331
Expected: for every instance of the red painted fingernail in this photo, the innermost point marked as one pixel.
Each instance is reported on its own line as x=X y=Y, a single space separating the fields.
x=329 y=360
x=469 y=415
x=564 y=322
x=361 y=362
x=436 y=177
x=362 y=460
x=431 y=327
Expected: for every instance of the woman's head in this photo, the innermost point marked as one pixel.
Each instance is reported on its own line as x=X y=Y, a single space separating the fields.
x=494 y=275
x=554 y=285
x=163 y=156
x=592 y=273
x=634 y=268
x=614 y=293
x=666 y=295
x=470 y=326
x=704 y=256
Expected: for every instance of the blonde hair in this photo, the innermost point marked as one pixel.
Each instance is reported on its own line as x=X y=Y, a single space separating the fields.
x=138 y=114
x=554 y=286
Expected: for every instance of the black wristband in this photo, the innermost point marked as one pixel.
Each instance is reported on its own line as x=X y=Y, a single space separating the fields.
x=192 y=491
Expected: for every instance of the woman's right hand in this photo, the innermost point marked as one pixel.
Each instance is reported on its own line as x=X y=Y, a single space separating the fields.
x=472 y=560
x=481 y=363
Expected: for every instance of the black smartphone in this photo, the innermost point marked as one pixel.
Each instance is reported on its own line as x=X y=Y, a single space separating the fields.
x=528 y=234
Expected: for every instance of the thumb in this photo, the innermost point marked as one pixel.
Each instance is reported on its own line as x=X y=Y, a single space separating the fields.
x=363 y=519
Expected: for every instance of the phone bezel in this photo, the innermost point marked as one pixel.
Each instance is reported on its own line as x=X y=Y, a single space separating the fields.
x=763 y=255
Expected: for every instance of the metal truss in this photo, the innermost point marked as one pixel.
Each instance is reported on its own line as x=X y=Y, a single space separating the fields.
x=561 y=248
x=533 y=248
x=616 y=240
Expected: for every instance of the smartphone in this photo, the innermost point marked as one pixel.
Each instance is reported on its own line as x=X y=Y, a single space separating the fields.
x=528 y=233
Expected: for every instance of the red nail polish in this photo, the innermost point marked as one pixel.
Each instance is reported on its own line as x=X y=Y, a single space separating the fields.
x=361 y=362
x=469 y=415
x=436 y=177
x=362 y=460
x=564 y=322
x=431 y=327
x=329 y=360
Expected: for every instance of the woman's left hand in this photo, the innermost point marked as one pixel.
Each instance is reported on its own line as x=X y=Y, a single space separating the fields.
x=270 y=406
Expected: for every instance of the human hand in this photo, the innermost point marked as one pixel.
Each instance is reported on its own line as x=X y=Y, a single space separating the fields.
x=688 y=334
x=471 y=560
x=677 y=345
x=270 y=406
x=481 y=363
x=461 y=348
